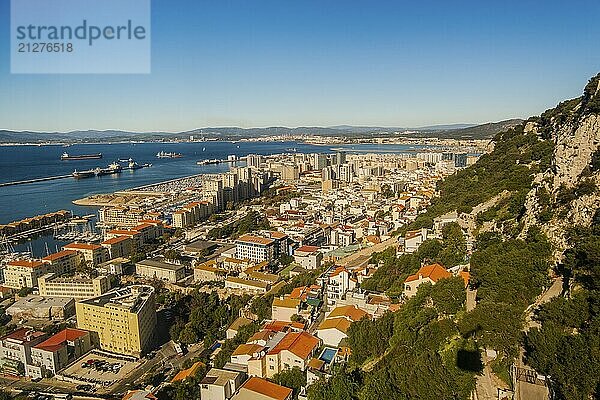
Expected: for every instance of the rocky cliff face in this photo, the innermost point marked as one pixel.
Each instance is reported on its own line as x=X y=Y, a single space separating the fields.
x=566 y=194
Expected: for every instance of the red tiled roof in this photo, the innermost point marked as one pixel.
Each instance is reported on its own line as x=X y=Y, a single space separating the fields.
x=26 y=263
x=435 y=272
x=277 y=235
x=57 y=341
x=266 y=388
x=82 y=246
x=466 y=276
x=115 y=240
x=307 y=249
x=60 y=254
x=298 y=343
x=141 y=227
x=282 y=326
x=255 y=239
x=23 y=333
x=352 y=313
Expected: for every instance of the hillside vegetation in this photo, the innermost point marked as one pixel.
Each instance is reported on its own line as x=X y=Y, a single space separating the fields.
x=436 y=345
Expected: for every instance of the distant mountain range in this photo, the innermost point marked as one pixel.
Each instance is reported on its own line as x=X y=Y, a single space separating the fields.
x=454 y=131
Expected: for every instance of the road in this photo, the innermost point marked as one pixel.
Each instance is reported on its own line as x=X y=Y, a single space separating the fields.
x=363 y=255
x=488 y=383
x=553 y=291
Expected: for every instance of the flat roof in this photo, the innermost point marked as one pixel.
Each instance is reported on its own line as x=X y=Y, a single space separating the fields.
x=160 y=264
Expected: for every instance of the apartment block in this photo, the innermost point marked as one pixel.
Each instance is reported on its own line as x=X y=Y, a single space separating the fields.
x=23 y=273
x=63 y=262
x=93 y=254
x=156 y=269
x=123 y=320
x=52 y=285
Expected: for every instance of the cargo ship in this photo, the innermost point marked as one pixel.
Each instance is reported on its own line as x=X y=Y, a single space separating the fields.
x=84 y=174
x=113 y=168
x=66 y=156
x=163 y=154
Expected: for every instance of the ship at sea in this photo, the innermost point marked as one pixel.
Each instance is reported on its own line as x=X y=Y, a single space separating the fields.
x=163 y=154
x=66 y=156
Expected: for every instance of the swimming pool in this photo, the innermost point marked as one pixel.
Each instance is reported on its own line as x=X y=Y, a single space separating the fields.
x=328 y=355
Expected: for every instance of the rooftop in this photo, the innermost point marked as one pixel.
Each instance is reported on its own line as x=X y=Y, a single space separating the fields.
x=352 y=313
x=160 y=264
x=255 y=240
x=131 y=298
x=299 y=343
x=186 y=373
x=266 y=388
x=116 y=240
x=23 y=335
x=59 y=255
x=219 y=377
x=82 y=246
x=339 y=323
x=61 y=338
x=435 y=272
x=250 y=282
x=26 y=263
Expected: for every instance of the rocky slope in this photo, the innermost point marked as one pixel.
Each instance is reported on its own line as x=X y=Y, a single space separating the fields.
x=566 y=194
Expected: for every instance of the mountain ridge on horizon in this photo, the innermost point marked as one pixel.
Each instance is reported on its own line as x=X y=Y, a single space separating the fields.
x=356 y=132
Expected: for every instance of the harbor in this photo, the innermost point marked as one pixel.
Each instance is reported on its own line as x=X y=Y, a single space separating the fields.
x=111 y=169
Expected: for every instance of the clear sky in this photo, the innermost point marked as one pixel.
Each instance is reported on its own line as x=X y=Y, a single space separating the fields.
x=324 y=62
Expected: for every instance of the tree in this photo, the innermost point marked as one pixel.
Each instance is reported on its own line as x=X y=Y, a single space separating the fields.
x=188 y=335
x=172 y=254
x=297 y=318
x=24 y=291
x=496 y=325
x=343 y=385
x=455 y=245
x=294 y=379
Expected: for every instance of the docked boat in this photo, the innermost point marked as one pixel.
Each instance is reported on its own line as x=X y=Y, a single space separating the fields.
x=66 y=156
x=163 y=154
x=84 y=174
x=113 y=168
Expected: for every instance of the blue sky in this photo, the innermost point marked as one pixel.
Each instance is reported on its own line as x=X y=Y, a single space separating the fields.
x=283 y=63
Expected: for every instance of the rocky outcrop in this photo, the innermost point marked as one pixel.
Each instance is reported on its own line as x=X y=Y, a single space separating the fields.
x=574 y=127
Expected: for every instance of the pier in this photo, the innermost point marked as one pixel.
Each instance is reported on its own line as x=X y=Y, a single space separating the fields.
x=48 y=178
x=53 y=178
x=219 y=161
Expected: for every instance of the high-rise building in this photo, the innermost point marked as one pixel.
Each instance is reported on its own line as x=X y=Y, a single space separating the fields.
x=253 y=160
x=123 y=319
x=319 y=161
x=340 y=157
x=460 y=160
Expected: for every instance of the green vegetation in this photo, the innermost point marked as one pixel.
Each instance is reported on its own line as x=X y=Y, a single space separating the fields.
x=183 y=390
x=293 y=378
x=253 y=221
x=510 y=166
x=567 y=347
x=202 y=316
x=5 y=325
x=25 y=291
x=364 y=338
x=426 y=357
x=509 y=275
x=390 y=277
x=230 y=345
x=343 y=385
